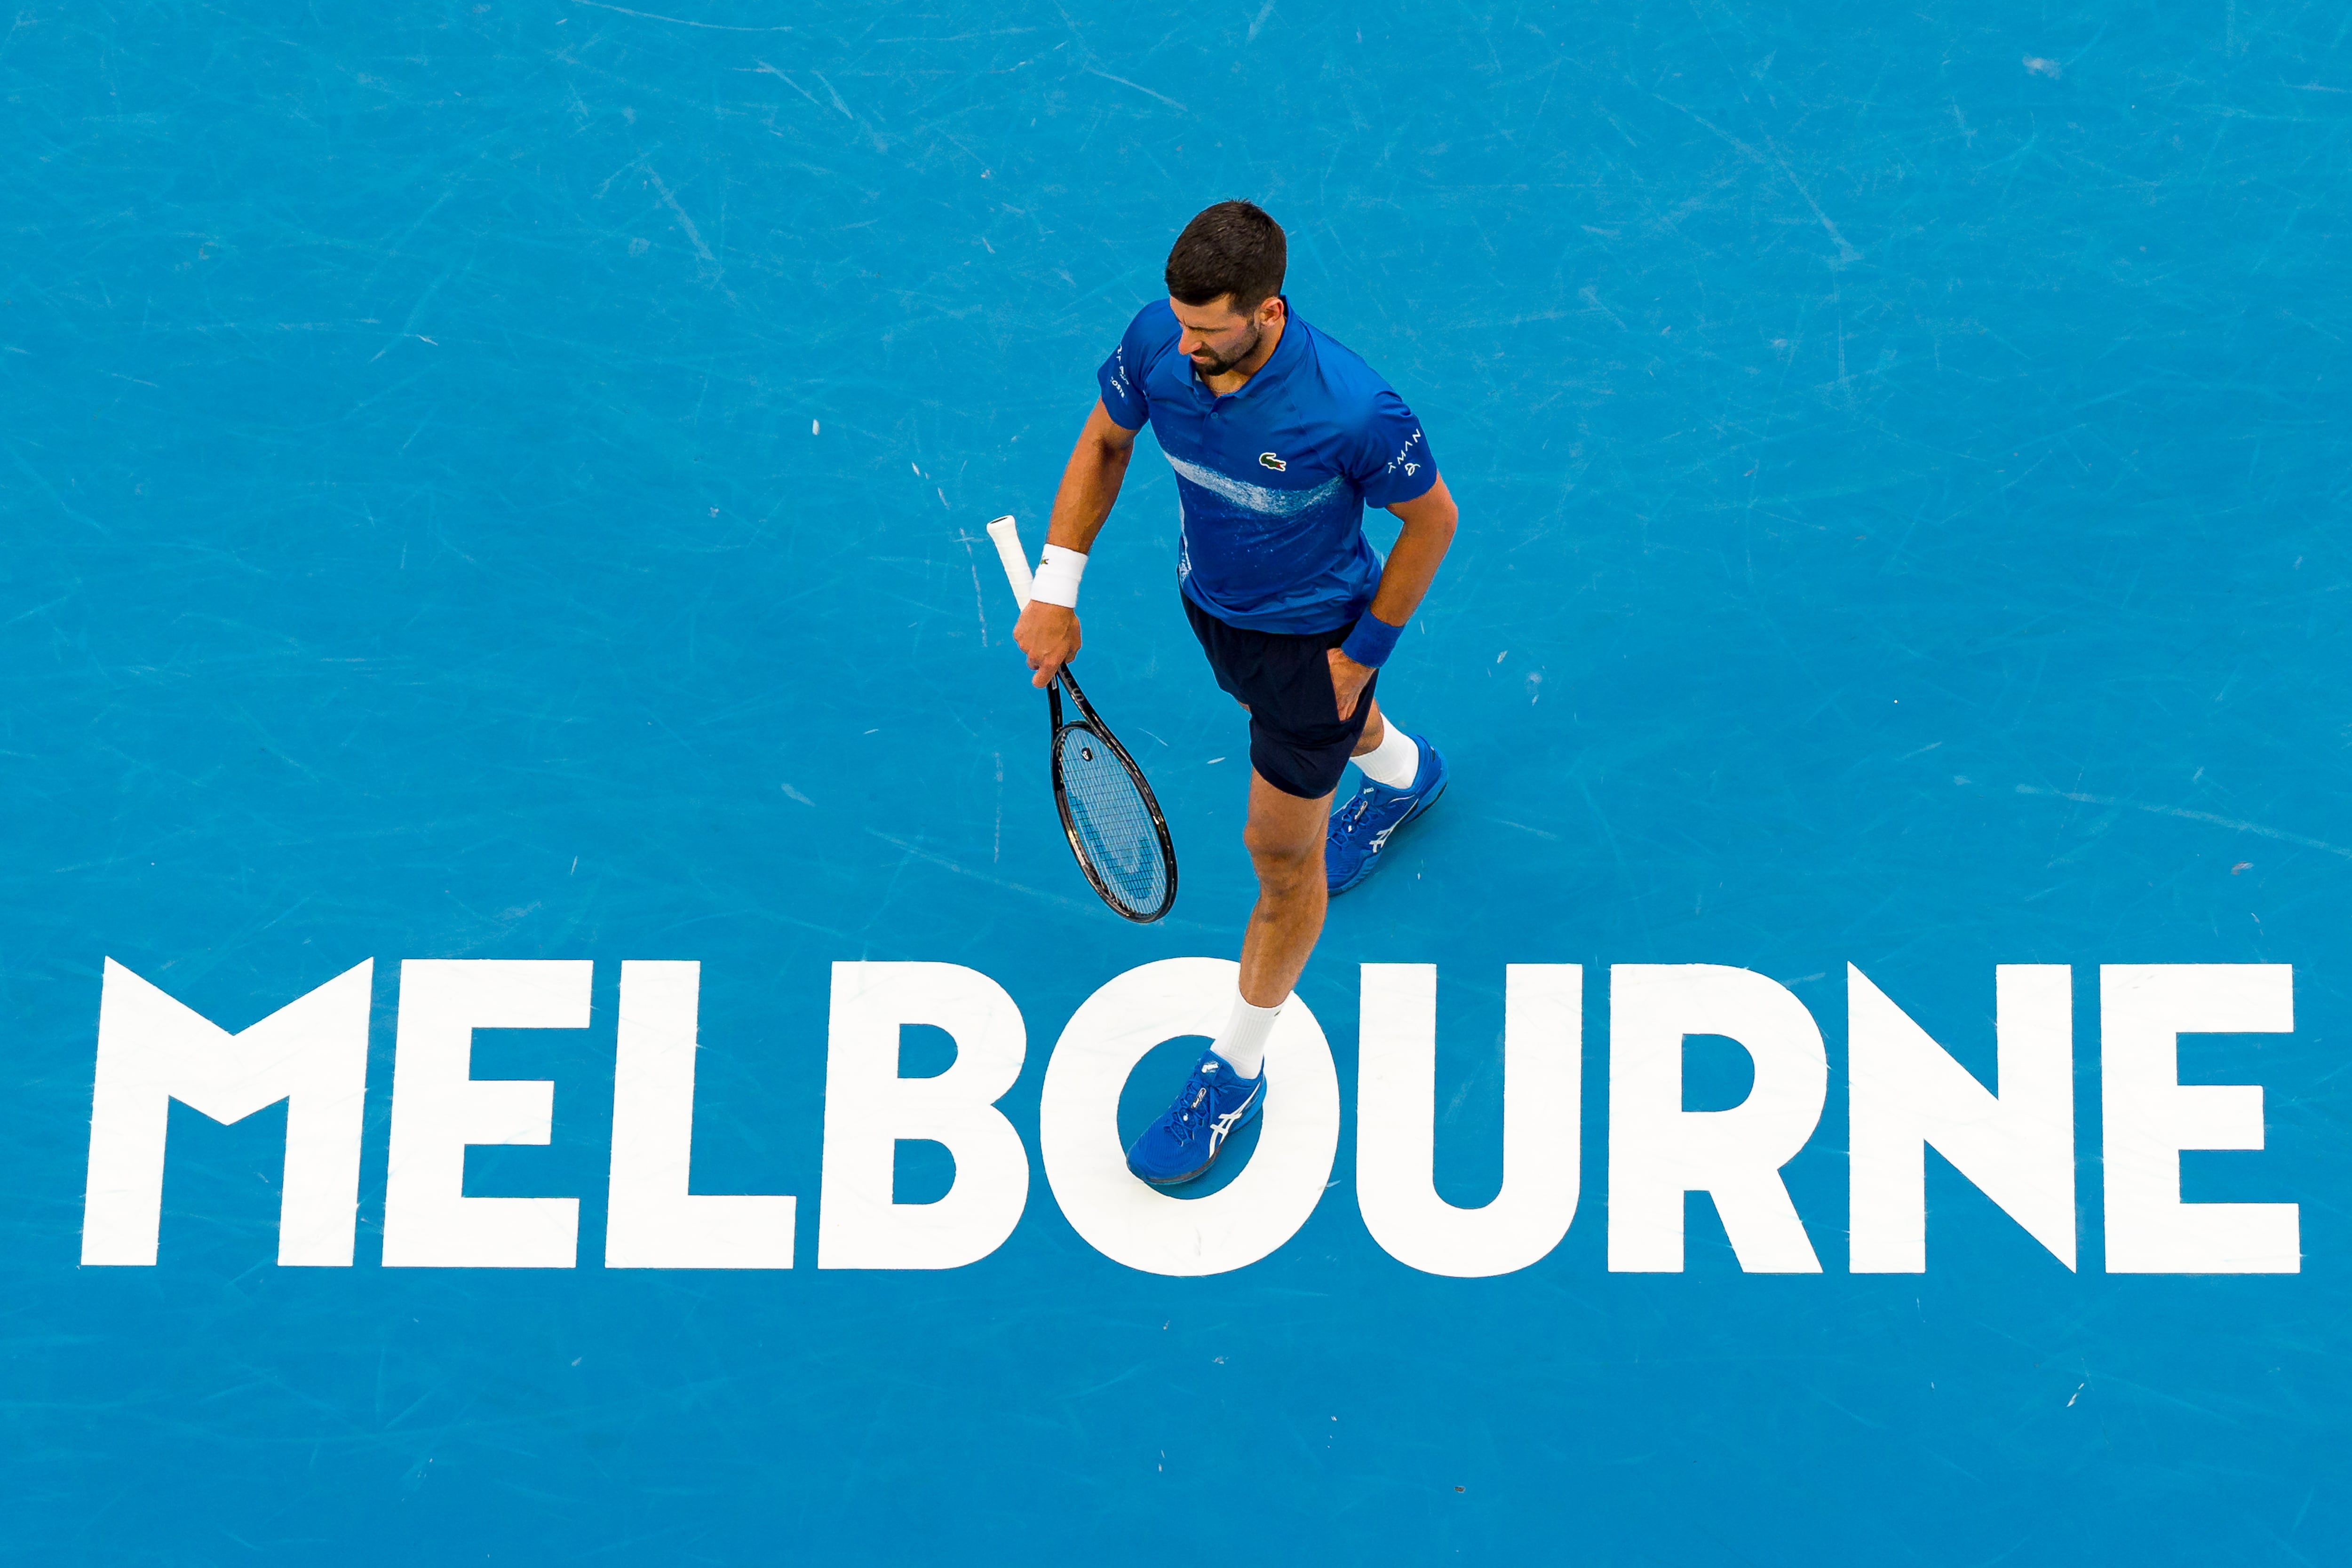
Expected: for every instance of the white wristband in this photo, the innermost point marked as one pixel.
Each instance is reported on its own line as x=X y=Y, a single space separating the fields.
x=1056 y=582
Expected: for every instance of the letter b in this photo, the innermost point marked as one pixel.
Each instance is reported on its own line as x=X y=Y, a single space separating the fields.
x=869 y=1108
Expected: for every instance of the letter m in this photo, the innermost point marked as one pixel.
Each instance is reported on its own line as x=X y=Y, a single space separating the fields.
x=311 y=1054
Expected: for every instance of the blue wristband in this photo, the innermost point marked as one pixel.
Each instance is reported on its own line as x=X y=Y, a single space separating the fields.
x=1371 y=640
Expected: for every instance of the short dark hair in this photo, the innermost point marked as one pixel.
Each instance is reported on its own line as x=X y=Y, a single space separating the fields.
x=1230 y=248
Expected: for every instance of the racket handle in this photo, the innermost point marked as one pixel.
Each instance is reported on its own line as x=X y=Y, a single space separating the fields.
x=1007 y=535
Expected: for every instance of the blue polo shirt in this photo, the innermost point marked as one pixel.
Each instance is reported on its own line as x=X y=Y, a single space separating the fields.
x=1272 y=480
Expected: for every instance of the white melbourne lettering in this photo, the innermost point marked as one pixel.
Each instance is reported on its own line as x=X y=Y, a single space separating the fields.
x=1908 y=1095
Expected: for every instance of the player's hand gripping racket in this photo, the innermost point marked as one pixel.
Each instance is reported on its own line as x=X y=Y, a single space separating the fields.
x=1107 y=809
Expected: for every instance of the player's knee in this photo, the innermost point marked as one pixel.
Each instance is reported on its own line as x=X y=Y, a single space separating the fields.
x=1280 y=856
x=1288 y=882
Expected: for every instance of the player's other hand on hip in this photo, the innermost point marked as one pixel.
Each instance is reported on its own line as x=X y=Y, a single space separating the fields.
x=1048 y=633
x=1348 y=679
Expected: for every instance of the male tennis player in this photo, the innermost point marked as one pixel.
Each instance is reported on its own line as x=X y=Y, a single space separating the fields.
x=1279 y=437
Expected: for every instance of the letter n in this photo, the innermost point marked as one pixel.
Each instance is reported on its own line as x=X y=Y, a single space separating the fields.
x=1907 y=1095
x=152 y=1051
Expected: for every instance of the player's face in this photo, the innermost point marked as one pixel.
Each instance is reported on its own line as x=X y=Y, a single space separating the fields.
x=1217 y=336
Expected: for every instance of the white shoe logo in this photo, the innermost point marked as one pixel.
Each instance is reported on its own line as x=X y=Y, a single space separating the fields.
x=1224 y=1123
x=1380 y=839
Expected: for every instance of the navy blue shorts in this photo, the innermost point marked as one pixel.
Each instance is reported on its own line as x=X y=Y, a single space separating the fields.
x=1298 y=742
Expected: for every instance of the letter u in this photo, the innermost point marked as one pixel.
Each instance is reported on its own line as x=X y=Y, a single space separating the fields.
x=1543 y=1055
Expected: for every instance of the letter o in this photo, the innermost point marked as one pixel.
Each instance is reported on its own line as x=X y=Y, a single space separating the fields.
x=1125 y=1219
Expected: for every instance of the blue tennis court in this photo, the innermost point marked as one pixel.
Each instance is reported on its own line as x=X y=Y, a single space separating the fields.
x=507 y=482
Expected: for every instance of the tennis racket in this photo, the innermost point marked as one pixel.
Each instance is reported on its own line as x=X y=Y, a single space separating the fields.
x=1108 y=812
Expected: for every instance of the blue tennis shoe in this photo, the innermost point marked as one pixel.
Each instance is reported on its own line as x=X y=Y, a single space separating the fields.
x=1363 y=828
x=1184 y=1142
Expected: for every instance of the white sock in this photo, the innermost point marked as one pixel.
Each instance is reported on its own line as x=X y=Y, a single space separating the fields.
x=1395 y=761
x=1242 y=1043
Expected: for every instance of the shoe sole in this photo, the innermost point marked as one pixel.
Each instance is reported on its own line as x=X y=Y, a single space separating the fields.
x=1371 y=862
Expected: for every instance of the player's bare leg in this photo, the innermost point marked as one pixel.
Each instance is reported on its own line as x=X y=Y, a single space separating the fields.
x=1227 y=1086
x=1284 y=840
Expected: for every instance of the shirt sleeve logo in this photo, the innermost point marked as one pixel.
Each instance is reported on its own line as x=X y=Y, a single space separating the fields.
x=1268 y=460
x=1405 y=451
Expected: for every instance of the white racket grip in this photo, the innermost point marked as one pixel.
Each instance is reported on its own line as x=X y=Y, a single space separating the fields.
x=1007 y=535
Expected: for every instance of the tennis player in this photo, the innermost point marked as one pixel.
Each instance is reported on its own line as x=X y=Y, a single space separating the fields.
x=1279 y=437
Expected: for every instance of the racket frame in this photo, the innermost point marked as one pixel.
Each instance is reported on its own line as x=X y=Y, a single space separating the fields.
x=1092 y=722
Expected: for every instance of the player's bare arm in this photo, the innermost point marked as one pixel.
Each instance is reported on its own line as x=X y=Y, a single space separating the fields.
x=1429 y=521
x=1047 y=633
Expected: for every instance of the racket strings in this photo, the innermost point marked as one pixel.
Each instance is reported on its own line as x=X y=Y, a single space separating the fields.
x=1111 y=821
